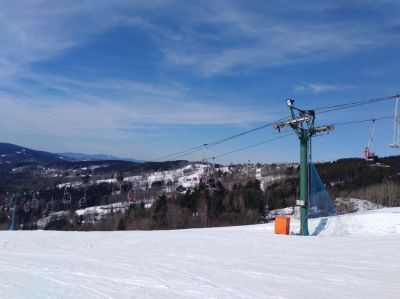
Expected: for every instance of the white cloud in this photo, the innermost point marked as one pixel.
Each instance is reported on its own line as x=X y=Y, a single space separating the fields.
x=110 y=107
x=110 y=115
x=210 y=37
x=221 y=36
x=321 y=88
x=34 y=31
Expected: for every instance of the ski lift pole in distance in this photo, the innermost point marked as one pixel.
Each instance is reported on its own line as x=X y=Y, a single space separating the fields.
x=302 y=123
x=204 y=162
x=396 y=126
x=115 y=191
x=204 y=158
x=14 y=214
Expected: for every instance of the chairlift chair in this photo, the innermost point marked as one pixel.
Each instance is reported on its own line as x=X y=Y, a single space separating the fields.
x=27 y=207
x=368 y=154
x=49 y=207
x=34 y=201
x=82 y=202
x=67 y=198
x=132 y=195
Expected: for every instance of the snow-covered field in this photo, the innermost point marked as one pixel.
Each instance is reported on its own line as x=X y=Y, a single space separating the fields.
x=352 y=256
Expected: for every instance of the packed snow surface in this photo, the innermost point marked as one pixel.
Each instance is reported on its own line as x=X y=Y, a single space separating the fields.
x=351 y=256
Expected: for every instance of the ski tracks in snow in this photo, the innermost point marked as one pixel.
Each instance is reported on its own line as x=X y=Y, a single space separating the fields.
x=353 y=256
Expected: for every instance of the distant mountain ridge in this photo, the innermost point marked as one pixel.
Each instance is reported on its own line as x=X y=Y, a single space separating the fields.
x=14 y=154
x=96 y=157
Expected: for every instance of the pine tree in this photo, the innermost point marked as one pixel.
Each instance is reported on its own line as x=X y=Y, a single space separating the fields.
x=121 y=224
x=160 y=213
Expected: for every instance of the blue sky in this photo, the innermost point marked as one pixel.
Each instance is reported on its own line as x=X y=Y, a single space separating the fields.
x=143 y=79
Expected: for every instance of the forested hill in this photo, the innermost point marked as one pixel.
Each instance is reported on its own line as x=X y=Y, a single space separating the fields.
x=352 y=177
x=358 y=178
x=355 y=173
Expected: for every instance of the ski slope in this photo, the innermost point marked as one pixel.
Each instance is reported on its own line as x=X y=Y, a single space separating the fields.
x=352 y=256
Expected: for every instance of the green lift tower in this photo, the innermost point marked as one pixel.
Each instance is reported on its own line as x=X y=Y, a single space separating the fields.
x=302 y=122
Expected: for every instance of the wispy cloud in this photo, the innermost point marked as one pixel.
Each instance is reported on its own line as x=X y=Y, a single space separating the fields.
x=242 y=36
x=111 y=115
x=34 y=31
x=111 y=107
x=210 y=37
x=321 y=88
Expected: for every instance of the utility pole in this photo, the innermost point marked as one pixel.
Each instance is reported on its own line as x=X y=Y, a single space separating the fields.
x=204 y=160
x=14 y=214
x=302 y=123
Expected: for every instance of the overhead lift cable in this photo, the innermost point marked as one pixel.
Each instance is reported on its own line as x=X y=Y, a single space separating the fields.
x=186 y=154
x=332 y=108
x=243 y=133
x=325 y=109
x=253 y=145
x=284 y=136
x=189 y=151
x=362 y=121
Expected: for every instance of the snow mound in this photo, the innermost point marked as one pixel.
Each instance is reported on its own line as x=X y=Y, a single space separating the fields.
x=282 y=212
x=356 y=204
x=381 y=222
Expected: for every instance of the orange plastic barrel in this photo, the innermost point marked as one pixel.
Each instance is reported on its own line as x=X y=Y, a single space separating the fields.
x=282 y=225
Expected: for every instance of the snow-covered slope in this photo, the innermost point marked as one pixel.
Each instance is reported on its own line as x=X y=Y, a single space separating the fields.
x=353 y=256
x=188 y=176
